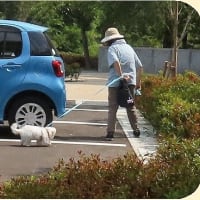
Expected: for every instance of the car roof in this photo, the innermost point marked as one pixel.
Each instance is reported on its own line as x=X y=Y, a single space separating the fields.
x=23 y=26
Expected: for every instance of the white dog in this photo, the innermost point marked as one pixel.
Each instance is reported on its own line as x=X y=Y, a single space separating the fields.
x=43 y=135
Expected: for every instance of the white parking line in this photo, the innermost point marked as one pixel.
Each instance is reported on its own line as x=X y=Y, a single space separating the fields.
x=72 y=143
x=91 y=110
x=90 y=143
x=80 y=123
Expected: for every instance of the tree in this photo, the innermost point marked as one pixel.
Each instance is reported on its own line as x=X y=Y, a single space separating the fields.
x=9 y=9
x=45 y=14
x=78 y=26
x=82 y=14
x=179 y=18
x=141 y=22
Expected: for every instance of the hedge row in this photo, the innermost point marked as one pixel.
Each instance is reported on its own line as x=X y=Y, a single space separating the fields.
x=173 y=105
x=173 y=173
x=70 y=58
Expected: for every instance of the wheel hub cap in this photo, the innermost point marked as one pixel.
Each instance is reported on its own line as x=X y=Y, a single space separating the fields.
x=32 y=114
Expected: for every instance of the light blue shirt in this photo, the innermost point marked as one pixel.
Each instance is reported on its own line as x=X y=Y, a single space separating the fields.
x=123 y=53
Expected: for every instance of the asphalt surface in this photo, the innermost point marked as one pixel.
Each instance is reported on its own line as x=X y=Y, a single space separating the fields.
x=83 y=129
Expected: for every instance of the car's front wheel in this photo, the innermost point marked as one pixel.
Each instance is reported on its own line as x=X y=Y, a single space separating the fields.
x=30 y=110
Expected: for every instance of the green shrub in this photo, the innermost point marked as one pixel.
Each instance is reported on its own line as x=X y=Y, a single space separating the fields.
x=73 y=70
x=89 y=177
x=173 y=105
x=176 y=168
x=70 y=58
x=173 y=173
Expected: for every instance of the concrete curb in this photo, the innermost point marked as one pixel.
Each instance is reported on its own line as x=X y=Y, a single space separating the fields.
x=146 y=145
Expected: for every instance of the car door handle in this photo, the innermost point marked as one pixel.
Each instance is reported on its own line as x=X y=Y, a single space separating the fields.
x=11 y=66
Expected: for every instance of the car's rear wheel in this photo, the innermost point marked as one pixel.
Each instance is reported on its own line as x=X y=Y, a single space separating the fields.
x=30 y=110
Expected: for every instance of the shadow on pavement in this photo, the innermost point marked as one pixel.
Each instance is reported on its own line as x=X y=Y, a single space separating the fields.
x=5 y=132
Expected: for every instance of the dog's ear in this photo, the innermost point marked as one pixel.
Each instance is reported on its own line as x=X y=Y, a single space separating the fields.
x=53 y=133
x=52 y=130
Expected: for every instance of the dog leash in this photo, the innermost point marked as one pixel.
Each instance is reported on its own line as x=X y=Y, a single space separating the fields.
x=81 y=102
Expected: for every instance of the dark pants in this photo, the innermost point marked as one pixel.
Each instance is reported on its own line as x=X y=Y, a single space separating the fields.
x=113 y=107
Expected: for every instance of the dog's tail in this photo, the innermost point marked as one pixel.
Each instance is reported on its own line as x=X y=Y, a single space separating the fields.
x=14 y=128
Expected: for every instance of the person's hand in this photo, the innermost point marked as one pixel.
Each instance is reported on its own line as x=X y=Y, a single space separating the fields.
x=126 y=77
x=138 y=85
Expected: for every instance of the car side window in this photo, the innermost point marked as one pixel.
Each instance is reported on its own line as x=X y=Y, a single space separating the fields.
x=10 y=42
x=53 y=48
x=39 y=44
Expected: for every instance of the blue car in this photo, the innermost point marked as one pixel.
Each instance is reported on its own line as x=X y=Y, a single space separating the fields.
x=32 y=87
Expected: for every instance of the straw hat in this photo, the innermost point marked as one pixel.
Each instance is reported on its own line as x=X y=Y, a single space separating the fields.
x=110 y=34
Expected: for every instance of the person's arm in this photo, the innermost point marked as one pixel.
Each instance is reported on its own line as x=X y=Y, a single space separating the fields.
x=139 y=71
x=117 y=67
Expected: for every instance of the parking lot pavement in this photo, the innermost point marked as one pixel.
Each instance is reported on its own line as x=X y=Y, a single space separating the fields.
x=82 y=129
x=92 y=87
x=146 y=145
x=91 y=117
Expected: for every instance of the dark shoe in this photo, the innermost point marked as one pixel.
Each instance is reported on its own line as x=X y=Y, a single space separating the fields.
x=109 y=136
x=136 y=133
